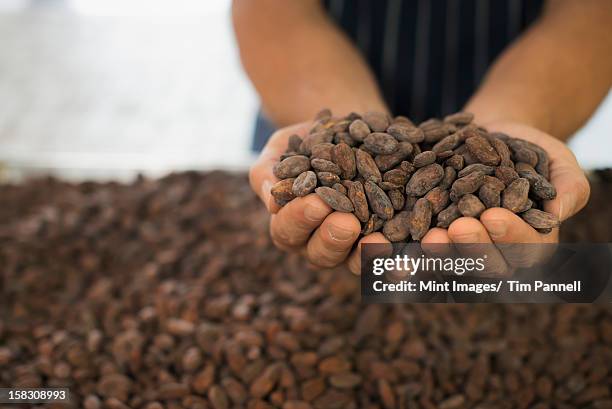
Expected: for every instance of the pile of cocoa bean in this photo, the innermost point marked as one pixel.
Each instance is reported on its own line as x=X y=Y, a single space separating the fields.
x=404 y=179
x=170 y=294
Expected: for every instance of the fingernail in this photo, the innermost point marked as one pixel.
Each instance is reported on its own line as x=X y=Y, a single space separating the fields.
x=315 y=213
x=497 y=228
x=266 y=186
x=340 y=234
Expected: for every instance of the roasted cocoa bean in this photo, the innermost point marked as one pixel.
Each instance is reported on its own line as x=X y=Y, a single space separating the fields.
x=456 y=162
x=377 y=121
x=540 y=219
x=344 y=157
x=420 y=218
x=328 y=179
x=386 y=162
x=448 y=215
x=396 y=176
x=356 y=194
x=378 y=200
x=515 y=195
x=367 y=167
x=448 y=143
x=439 y=198
x=398 y=228
x=424 y=179
x=470 y=206
x=304 y=184
x=291 y=167
x=484 y=169
x=397 y=198
x=506 y=174
x=482 y=150
x=335 y=199
x=358 y=130
x=282 y=191
x=467 y=184
x=322 y=151
x=424 y=159
x=459 y=118
x=539 y=186
x=338 y=187
x=322 y=165
x=489 y=195
x=404 y=132
x=380 y=143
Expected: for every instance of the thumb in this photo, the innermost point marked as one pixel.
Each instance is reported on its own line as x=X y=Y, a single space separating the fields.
x=573 y=190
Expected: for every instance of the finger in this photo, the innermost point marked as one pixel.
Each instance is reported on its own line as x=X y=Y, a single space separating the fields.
x=292 y=226
x=573 y=189
x=520 y=244
x=332 y=241
x=261 y=176
x=436 y=243
x=354 y=261
x=471 y=240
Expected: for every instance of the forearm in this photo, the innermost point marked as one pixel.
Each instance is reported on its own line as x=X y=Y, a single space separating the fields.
x=555 y=76
x=300 y=62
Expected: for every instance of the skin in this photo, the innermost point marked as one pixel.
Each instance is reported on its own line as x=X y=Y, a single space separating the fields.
x=564 y=57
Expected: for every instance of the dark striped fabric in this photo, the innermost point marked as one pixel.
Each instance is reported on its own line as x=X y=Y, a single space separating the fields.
x=430 y=55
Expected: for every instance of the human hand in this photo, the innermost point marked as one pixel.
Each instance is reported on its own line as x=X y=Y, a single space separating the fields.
x=502 y=227
x=307 y=224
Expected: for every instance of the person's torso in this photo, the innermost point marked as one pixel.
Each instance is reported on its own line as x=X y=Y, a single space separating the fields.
x=430 y=55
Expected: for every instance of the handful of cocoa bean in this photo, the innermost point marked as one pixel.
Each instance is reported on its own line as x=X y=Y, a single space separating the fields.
x=404 y=179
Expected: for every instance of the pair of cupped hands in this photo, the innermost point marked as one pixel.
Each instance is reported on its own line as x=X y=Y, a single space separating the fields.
x=327 y=238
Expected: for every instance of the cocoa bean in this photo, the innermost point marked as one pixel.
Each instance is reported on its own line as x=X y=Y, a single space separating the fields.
x=467 y=184
x=397 y=198
x=377 y=121
x=424 y=159
x=398 y=228
x=282 y=191
x=380 y=143
x=424 y=179
x=396 y=176
x=420 y=218
x=448 y=143
x=456 y=162
x=291 y=167
x=470 y=206
x=448 y=215
x=506 y=174
x=459 y=118
x=439 y=199
x=344 y=157
x=304 y=184
x=480 y=147
x=484 y=169
x=490 y=195
x=515 y=195
x=358 y=130
x=356 y=194
x=322 y=165
x=335 y=199
x=322 y=151
x=367 y=167
x=328 y=179
x=539 y=219
x=386 y=162
x=404 y=132
x=378 y=200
